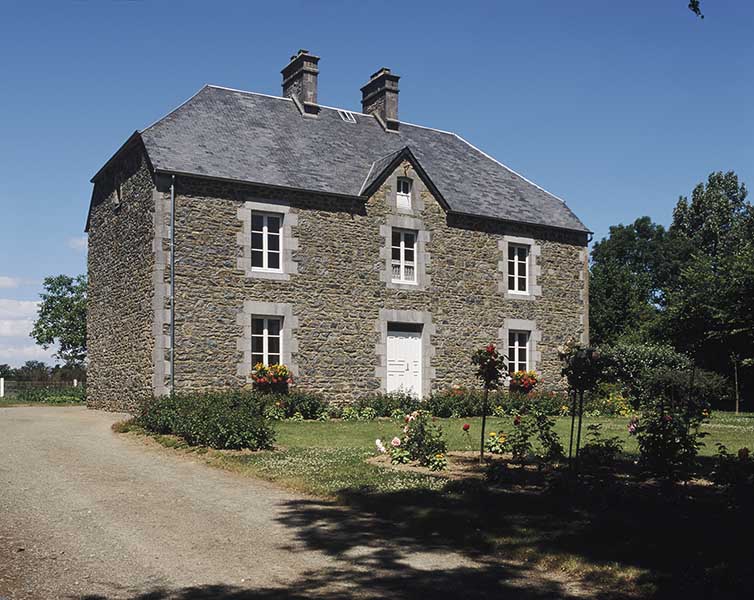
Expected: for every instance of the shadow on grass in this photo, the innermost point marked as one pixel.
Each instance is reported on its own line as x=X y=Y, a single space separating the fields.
x=475 y=541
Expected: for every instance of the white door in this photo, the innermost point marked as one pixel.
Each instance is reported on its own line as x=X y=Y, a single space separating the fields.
x=404 y=361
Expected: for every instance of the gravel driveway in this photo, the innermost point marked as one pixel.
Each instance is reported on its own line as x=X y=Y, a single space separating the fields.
x=86 y=513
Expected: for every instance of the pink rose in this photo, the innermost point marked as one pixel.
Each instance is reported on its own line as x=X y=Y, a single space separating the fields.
x=395 y=442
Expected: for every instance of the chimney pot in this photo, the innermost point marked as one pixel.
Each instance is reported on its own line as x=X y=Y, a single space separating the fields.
x=379 y=97
x=300 y=81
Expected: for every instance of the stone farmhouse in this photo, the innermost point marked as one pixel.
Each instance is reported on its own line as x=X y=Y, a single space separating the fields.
x=366 y=253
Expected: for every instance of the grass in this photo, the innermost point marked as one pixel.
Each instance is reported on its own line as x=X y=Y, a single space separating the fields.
x=623 y=537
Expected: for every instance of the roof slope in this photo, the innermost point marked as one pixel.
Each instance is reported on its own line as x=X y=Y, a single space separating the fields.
x=261 y=139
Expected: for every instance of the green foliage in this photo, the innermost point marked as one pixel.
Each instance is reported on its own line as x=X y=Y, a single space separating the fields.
x=61 y=318
x=519 y=440
x=735 y=472
x=550 y=448
x=496 y=442
x=399 y=456
x=627 y=272
x=467 y=402
x=422 y=437
x=225 y=420
x=385 y=405
x=599 y=451
x=52 y=395
x=491 y=366
x=631 y=365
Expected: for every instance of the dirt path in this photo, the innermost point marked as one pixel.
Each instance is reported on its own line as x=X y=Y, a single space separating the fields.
x=85 y=513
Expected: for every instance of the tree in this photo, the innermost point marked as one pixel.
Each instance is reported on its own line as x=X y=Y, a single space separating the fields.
x=626 y=285
x=6 y=370
x=696 y=8
x=709 y=304
x=62 y=317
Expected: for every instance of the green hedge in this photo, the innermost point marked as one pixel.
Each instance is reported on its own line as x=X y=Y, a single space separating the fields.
x=52 y=395
x=223 y=420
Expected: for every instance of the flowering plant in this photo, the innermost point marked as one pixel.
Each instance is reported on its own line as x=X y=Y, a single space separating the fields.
x=496 y=443
x=523 y=381
x=271 y=378
x=438 y=462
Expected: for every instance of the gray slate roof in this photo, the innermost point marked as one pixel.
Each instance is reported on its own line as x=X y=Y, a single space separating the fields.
x=262 y=139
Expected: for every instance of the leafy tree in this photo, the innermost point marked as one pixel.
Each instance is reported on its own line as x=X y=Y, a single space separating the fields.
x=626 y=285
x=696 y=8
x=62 y=317
x=6 y=370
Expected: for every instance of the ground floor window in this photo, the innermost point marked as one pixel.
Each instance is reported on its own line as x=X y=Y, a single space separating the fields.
x=266 y=340
x=518 y=351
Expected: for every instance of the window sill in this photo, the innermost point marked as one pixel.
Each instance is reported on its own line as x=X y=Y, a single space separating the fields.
x=273 y=275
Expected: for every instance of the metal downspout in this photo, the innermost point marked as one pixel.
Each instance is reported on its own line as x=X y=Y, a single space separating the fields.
x=172 y=286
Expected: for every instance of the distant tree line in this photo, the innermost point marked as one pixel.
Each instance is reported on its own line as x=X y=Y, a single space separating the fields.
x=35 y=370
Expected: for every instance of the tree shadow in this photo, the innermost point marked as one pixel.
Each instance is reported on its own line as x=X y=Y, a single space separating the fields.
x=473 y=540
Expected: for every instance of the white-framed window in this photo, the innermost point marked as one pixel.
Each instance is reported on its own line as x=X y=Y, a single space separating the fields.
x=518 y=268
x=403 y=197
x=518 y=351
x=404 y=256
x=266 y=340
x=266 y=241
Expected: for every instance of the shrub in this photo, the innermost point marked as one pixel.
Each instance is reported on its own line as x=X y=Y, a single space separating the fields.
x=310 y=406
x=600 y=451
x=52 y=395
x=457 y=402
x=735 y=472
x=631 y=365
x=550 y=447
x=495 y=443
x=385 y=405
x=668 y=442
x=422 y=441
x=519 y=440
x=513 y=403
x=606 y=401
x=224 y=419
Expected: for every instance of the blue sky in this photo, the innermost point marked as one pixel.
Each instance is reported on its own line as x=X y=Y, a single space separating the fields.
x=617 y=107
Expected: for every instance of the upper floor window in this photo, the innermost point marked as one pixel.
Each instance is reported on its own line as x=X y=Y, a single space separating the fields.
x=518 y=263
x=518 y=351
x=266 y=241
x=266 y=342
x=404 y=256
x=403 y=198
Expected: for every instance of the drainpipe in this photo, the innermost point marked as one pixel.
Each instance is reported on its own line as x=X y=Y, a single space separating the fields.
x=172 y=285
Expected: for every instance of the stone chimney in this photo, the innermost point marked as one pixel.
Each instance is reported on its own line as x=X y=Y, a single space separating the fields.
x=300 y=81
x=379 y=97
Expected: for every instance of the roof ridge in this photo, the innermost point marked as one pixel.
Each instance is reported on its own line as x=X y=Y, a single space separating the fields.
x=355 y=112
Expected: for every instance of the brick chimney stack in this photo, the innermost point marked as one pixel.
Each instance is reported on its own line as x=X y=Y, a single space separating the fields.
x=379 y=97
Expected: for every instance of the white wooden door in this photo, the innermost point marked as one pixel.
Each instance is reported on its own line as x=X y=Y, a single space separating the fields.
x=404 y=361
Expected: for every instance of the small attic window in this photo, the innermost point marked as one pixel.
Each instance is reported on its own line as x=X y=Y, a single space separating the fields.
x=347 y=116
x=403 y=196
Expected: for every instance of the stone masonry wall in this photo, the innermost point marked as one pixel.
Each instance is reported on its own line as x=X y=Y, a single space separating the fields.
x=120 y=266
x=337 y=292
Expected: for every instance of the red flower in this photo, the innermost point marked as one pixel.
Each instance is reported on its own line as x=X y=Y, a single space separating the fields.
x=466 y=426
x=517 y=420
x=490 y=348
x=668 y=418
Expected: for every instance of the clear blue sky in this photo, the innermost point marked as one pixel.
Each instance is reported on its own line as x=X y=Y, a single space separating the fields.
x=617 y=107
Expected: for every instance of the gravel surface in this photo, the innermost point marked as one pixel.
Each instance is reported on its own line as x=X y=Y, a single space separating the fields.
x=87 y=513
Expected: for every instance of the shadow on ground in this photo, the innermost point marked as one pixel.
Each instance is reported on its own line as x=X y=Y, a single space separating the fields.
x=474 y=541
